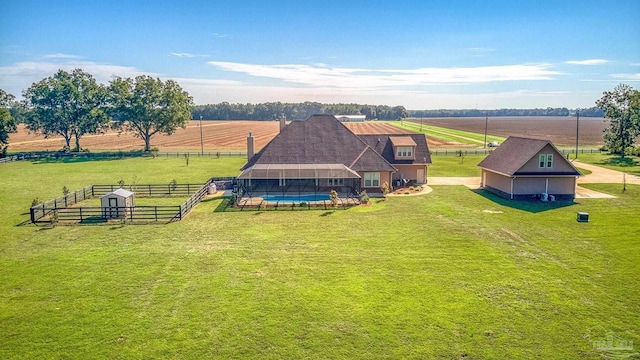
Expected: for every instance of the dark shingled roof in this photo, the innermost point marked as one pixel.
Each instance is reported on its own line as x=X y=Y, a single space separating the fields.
x=384 y=146
x=321 y=139
x=514 y=153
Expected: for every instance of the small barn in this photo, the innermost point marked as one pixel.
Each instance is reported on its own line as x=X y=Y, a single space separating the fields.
x=114 y=204
x=522 y=168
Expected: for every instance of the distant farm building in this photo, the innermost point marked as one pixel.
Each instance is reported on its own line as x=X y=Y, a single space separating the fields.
x=522 y=168
x=321 y=154
x=351 y=118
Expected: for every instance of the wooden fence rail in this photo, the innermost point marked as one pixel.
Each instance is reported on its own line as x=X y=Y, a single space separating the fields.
x=96 y=214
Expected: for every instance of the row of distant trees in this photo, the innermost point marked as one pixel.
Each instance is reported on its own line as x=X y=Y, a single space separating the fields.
x=74 y=104
x=294 y=111
x=586 y=112
x=298 y=111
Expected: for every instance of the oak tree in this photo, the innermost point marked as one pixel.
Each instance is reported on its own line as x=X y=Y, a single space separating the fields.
x=7 y=123
x=147 y=106
x=67 y=104
x=622 y=107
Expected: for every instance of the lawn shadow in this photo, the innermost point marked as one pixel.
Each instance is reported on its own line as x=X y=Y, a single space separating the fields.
x=326 y=213
x=222 y=207
x=532 y=206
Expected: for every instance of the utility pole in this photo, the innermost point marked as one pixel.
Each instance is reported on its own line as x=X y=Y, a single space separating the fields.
x=577 y=130
x=486 y=125
x=201 y=143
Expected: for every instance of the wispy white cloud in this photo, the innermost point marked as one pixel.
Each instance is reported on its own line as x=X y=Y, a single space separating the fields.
x=635 y=64
x=587 y=62
x=627 y=77
x=220 y=36
x=61 y=56
x=320 y=75
x=17 y=77
x=187 y=55
x=480 y=49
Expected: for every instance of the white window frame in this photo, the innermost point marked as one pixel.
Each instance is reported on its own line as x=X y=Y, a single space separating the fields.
x=404 y=151
x=336 y=182
x=371 y=179
x=545 y=161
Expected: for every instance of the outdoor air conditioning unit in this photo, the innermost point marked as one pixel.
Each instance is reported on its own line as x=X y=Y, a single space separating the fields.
x=583 y=217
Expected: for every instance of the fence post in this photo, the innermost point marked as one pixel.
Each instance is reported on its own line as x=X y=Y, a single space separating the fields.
x=81 y=214
x=156 y=212
x=33 y=215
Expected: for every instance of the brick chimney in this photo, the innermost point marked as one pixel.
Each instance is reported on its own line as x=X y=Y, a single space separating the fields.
x=283 y=122
x=250 y=146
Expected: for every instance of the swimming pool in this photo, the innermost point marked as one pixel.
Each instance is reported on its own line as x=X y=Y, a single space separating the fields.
x=295 y=198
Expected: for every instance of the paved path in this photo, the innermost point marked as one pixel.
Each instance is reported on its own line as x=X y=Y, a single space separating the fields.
x=603 y=175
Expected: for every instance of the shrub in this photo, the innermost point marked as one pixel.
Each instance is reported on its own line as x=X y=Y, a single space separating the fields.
x=65 y=190
x=364 y=197
x=121 y=183
x=406 y=193
x=35 y=202
x=303 y=204
x=385 y=189
x=333 y=197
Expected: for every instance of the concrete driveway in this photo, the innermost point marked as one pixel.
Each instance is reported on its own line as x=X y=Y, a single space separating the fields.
x=603 y=175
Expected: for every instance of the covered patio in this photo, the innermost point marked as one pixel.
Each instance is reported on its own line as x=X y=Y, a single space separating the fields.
x=298 y=179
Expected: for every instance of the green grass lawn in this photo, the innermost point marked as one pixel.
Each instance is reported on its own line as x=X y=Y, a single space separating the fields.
x=453 y=274
x=446 y=134
x=630 y=164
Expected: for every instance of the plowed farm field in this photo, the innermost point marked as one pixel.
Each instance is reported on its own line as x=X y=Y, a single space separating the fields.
x=216 y=135
x=560 y=130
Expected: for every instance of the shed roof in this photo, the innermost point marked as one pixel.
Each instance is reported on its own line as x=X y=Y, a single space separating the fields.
x=119 y=192
x=515 y=152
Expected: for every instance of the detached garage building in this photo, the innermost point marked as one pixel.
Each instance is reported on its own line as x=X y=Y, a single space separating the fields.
x=521 y=168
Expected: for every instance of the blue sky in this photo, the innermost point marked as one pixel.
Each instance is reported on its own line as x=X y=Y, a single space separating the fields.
x=419 y=54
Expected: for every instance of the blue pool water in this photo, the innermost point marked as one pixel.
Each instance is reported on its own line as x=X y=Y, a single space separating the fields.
x=295 y=198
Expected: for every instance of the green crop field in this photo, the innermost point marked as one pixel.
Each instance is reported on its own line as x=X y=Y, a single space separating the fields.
x=453 y=274
x=447 y=135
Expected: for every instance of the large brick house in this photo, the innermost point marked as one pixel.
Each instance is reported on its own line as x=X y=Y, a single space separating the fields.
x=321 y=154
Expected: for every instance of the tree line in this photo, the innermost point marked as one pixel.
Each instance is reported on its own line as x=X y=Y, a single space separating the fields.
x=586 y=112
x=294 y=111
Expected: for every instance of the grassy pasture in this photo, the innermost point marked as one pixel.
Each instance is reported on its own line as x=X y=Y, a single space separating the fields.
x=452 y=274
x=446 y=134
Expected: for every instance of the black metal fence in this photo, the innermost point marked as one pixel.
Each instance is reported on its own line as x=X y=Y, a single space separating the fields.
x=149 y=190
x=60 y=208
x=95 y=214
x=45 y=155
x=465 y=152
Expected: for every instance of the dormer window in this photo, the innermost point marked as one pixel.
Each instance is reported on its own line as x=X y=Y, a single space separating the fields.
x=404 y=152
x=404 y=148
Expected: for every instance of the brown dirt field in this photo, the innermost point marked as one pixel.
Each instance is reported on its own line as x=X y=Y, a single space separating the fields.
x=216 y=135
x=231 y=135
x=560 y=130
